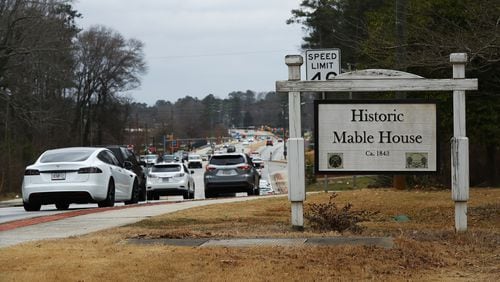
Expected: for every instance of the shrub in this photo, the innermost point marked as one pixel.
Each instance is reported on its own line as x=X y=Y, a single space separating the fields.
x=329 y=217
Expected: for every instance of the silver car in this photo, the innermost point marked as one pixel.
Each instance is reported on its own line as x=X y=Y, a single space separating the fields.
x=231 y=173
x=194 y=161
x=165 y=179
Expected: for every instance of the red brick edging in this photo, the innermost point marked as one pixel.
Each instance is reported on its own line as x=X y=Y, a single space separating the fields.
x=42 y=219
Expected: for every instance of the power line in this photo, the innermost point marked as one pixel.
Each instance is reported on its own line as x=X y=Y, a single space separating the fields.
x=222 y=54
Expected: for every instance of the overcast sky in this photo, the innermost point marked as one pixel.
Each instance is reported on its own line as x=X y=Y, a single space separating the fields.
x=201 y=47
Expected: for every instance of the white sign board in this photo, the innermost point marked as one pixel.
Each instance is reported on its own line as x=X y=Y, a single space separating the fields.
x=375 y=136
x=322 y=64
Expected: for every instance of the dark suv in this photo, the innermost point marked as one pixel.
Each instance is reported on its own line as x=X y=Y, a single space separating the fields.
x=123 y=154
x=231 y=173
x=231 y=149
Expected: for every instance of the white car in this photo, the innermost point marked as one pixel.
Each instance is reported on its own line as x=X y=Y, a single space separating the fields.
x=258 y=162
x=151 y=159
x=194 y=161
x=166 y=179
x=265 y=188
x=78 y=175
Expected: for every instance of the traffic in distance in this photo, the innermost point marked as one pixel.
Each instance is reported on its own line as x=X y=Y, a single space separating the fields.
x=115 y=174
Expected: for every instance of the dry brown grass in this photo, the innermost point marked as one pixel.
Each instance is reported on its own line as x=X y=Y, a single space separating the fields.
x=427 y=248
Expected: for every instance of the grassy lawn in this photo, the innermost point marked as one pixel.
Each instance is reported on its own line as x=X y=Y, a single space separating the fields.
x=427 y=248
x=341 y=183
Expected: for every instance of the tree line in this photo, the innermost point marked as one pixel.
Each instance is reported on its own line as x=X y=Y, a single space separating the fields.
x=59 y=85
x=211 y=116
x=62 y=86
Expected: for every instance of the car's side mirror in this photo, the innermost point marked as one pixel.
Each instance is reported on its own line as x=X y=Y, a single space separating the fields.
x=192 y=171
x=127 y=165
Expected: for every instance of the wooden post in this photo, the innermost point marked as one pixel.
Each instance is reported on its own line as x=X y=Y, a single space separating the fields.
x=459 y=148
x=295 y=164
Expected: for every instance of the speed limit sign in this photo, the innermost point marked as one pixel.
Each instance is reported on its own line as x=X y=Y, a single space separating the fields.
x=322 y=64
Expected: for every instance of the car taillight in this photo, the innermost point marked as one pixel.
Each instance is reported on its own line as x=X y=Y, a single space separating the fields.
x=244 y=167
x=210 y=168
x=32 y=172
x=152 y=176
x=89 y=170
x=179 y=174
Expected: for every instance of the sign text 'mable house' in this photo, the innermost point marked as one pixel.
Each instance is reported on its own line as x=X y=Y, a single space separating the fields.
x=381 y=137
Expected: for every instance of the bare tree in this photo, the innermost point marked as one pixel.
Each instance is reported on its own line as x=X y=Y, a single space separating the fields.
x=106 y=64
x=35 y=61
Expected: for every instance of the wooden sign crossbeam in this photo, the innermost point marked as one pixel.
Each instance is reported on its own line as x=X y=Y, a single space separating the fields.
x=377 y=85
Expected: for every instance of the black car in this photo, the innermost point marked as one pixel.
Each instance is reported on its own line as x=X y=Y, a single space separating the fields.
x=231 y=173
x=123 y=154
x=166 y=158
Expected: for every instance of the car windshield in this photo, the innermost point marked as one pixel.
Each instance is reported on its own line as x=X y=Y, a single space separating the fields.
x=194 y=157
x=151 y=157
x=66 y=156
x=166 y=168
x=227 y=160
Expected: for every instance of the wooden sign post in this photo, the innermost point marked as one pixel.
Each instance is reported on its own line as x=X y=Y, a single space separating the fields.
x=459 y=147
x=296 y=161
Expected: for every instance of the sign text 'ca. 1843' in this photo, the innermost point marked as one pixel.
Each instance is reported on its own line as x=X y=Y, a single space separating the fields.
x=388 y=136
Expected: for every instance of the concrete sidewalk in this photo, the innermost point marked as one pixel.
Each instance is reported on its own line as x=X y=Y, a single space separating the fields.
x=382 y=242
x=83 y=224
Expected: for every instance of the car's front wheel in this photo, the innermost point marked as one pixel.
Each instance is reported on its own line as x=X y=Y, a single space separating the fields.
x=134 y=199
x=192 y=192
x=149 y=195
x=31 y=206
x=110 y=197
x=143 y=193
